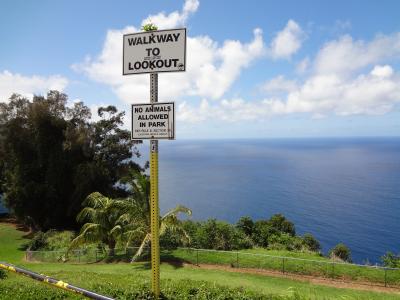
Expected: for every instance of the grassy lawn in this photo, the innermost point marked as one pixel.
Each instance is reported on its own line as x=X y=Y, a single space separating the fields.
x=302 y=263
x=127 y=281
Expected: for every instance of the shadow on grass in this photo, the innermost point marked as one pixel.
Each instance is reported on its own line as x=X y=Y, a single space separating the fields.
x=177 y=262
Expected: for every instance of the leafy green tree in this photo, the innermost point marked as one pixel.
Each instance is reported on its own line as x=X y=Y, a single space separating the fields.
x=262 y=232
x=311 y=242
x=280 y=223
x=340 y=251
x=391 y=260
x=246 y=225
x=101 y=216
x=52 y=157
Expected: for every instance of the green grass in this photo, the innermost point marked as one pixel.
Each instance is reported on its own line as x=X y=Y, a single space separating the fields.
x=127 y=281
x=302 y=263
x=11 y=243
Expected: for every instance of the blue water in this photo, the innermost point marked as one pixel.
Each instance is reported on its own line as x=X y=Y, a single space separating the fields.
x=340 y=190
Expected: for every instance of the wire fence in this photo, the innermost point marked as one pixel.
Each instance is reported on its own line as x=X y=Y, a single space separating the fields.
x=334 y=270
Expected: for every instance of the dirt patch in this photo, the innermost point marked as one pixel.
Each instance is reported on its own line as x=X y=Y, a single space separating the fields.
x=356 y=285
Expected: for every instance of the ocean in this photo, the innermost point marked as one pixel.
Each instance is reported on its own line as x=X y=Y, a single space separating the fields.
x=340 y=190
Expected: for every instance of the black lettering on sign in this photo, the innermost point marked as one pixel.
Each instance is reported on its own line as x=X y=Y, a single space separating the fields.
x=151 y=39
x=151 y=64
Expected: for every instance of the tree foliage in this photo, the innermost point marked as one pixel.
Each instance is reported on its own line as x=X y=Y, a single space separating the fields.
x=391 y=260
x=135 y=216
x=53 y=157
x=340 y=251
x=101 y=216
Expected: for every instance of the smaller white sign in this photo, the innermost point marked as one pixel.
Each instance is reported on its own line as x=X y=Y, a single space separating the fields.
x=153 y=121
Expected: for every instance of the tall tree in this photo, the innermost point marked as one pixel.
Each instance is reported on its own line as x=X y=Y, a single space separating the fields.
x=53 y=157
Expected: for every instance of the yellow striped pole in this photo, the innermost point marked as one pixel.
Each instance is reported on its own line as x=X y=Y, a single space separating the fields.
x=53 y=282
x=154 y=213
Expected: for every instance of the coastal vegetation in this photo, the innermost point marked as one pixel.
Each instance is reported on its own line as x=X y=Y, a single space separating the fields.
x=126 y=281
x=74 y=183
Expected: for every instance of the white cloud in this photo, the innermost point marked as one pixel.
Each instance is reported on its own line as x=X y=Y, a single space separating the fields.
x=211 y=68
x=287 y=42
x=371 y=94
x=28 y=85
x=382 y=71
x=174 y=19
x=345 y=56
x=279 y=84
x=303 y=65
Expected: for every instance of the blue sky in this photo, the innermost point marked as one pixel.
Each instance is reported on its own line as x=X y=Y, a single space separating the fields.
x=256 y=69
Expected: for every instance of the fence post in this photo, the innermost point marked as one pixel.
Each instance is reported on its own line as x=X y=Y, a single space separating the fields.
x=283 y=265
x=333 y=269
x=237 y=259
x=385 y=277
x=197 y=257
x=79 y=255
x=95 y=253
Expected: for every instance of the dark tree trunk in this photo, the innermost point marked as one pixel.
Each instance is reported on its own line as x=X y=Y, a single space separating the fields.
x=111 y=247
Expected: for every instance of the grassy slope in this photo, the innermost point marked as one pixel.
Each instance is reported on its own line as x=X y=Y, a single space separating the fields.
x=108 y=277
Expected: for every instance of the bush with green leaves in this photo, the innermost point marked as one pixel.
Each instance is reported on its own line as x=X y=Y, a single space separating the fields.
x=280 y=223
x=246 y=225
x=262 y=232
x=51 y=240
x=311 y=242
x=391 y=260
x=340 y=251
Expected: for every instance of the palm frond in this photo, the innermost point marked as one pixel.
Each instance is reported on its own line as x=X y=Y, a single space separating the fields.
x=176 y=210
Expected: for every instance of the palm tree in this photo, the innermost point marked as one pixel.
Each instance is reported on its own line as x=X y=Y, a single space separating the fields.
x=102 y=226
x=136 y=219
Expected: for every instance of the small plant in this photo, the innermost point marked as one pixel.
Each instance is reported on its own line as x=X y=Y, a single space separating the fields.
x=340 y=251
x=149 y=27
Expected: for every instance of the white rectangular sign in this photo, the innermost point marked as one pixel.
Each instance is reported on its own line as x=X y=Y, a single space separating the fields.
x=153 y=121
x=154 y=51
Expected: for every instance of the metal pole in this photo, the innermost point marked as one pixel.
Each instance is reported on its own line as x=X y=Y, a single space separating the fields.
x=237 y=259
x=52 y=281
x=197 y=257
x=154 y=214
x=283 y=265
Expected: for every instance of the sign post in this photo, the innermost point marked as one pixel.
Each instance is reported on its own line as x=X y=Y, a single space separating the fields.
x=154 y=214
x=152 y=52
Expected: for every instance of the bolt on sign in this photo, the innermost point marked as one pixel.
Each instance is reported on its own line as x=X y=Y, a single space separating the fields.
x=153 y=121
x=154 y=51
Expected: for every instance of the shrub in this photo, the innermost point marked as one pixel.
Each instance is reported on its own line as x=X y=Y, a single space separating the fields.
x=262 y=232
x=280 y=223
x=37 y=242
x=311 y=242
x=340 y=251
x=284 y=241
x=171 y=240
x=51 y=240
x=391 y=260
x=246 y=225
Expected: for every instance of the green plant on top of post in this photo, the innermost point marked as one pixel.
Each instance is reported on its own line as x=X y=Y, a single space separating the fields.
x=149 y=27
